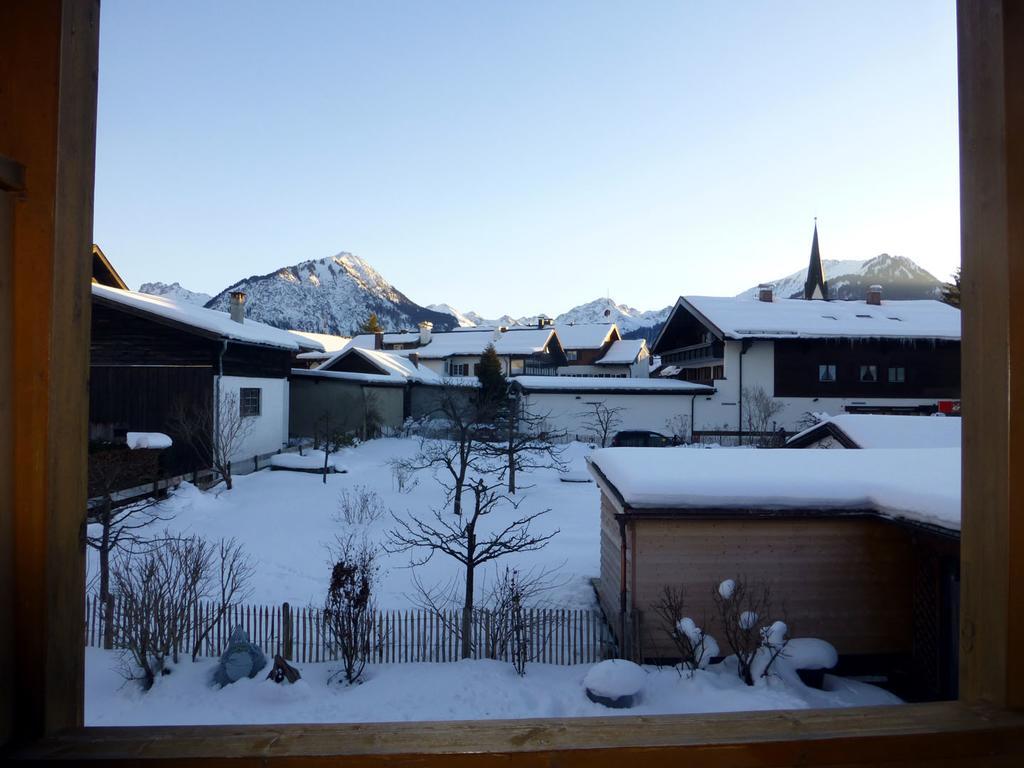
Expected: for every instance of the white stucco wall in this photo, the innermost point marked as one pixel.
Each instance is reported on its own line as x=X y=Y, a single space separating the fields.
x=268 y=431
x=570 y=412
x=721 y=410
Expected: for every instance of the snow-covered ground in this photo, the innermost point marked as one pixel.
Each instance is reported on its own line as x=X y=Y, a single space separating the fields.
x=464 y=690
x=285 y=521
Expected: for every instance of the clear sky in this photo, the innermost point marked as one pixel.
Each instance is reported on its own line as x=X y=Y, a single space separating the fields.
x=526 y=156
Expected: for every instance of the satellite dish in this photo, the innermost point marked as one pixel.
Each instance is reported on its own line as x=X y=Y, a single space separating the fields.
x=607 y=313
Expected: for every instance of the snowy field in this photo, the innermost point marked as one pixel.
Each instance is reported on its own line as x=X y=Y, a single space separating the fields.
x=465 y=690
x=285 y=521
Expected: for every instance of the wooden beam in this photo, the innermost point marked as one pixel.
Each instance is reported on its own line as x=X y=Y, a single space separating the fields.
x=48 y=126
x=991 y=79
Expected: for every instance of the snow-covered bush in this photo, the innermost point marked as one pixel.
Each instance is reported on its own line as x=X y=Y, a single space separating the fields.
x=740 y=606
x=360 y=506
x=349 y=607
x=696 y=648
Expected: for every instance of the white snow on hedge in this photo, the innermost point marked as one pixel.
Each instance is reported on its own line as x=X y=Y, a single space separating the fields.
x=152 y=440
x=209 y=320
x=884 y=431
x=810 y=653
x=921 y=485
x=747 y=317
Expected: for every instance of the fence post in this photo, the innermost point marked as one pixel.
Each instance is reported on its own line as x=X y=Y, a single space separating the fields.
x=286 y=632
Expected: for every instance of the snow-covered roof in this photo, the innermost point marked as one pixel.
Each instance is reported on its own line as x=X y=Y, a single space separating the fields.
x=209 y=321
x=584 y=335
x=607 y=384
x=920 y=485
x=882 y=431
x=329 y=342
x=527 y=341
x=391 y=364
x=747 y=317
x=623 y=352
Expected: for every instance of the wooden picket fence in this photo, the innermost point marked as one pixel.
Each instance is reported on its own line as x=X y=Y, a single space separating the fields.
x=552 y=635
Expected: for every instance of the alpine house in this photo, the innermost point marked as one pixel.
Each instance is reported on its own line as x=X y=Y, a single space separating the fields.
x=811 y=355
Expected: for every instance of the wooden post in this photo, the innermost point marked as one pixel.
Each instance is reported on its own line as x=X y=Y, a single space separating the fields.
x=991 y=79
x=48 y=74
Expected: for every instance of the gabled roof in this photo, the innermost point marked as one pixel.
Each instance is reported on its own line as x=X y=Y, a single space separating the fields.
x=523 y=342
x=623 y=352
x=749 y=318
x=103 y=271
x=393 y=365
x=918 y=485
x=585 y=335
x=205 y=322
x=329 y=342
x=863 y=430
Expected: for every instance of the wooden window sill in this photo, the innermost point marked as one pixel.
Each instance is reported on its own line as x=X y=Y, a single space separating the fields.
x=946 y=733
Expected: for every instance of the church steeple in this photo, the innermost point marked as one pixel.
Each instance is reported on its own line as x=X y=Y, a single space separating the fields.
x=815 y=286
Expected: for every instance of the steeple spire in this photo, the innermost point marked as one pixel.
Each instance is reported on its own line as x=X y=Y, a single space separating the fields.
x=815 y=286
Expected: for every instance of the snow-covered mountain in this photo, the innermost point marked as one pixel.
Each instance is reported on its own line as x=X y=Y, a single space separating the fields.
x=176 y=292
x=468 y=320
x=899 y=277
x=607 y=311
x=332 y=295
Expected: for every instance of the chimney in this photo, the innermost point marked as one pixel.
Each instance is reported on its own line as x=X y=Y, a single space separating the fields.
x=875 y=295
x=764 y=292
x=378 y=340
x=543 y=321
x=237 y=306
x=414 y=359
x=425 y=328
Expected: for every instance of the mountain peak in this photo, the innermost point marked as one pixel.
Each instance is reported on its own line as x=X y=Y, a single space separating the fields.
x=900 y=277
x=176 y=292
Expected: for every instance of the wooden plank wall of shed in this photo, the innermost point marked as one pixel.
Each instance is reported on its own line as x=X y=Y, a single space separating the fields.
x=847 y=580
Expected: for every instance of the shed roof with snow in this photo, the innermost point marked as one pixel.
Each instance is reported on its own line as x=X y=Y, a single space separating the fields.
x=623 y=352
x=586 y=335
x=862 y=430
x=920 y=486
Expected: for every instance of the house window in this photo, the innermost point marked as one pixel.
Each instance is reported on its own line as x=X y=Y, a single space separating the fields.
x=869 y=373
x=826 y=372
x=571 y=355
x=458 y=369
x=249 y=401
x=897 y=375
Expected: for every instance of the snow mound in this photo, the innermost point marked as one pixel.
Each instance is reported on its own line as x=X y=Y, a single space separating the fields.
x=152 y=440
x=615 y=678
x=810 y=653
x=311 y=460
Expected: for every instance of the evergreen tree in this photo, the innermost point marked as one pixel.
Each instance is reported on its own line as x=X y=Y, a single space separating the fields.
x=372 y=325
x=493 y=385
x=951 y=291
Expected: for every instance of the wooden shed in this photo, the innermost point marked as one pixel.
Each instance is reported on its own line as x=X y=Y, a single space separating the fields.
x=864 y=557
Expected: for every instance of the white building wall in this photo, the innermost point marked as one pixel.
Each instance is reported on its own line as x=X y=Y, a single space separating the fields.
x=570 y=412
x=721 y=410
x=269 y=430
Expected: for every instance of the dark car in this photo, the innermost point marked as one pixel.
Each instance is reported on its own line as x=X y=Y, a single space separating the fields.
x=638 y=438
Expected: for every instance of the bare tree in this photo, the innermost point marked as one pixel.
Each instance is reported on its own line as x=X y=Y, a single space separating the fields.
x=529 y=443
x=359 y=506
x=602 y=420
x=514 y=633
x=111 y=526
x=459 y=535
x=231 y=586
x=330 y=437
x=217 y=432
x=679 y=427
x=759 y=412
x=349 y=607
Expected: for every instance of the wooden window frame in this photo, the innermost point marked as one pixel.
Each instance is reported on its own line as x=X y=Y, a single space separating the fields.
x=48 y=79
x=244 y=411
x=828 y=366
